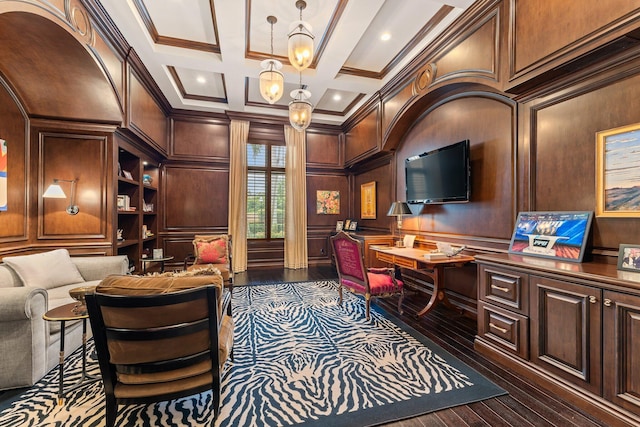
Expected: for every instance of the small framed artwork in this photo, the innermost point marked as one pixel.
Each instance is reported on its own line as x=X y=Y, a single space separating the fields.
x=629 y=258
x=353 y=225
x=127 y=174
x=327 y=202
x=157 y=253
x=339 y=225
x=617 y=181
x=368 y=200
x=558 y=235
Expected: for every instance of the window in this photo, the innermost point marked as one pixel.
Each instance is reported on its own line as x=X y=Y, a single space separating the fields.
x=265 y=191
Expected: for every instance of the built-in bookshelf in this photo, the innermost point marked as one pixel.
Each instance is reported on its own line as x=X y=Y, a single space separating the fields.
x=136 y=204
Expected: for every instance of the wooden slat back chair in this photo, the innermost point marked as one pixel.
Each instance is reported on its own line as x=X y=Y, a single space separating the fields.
x=162 y=346
x=356 y=278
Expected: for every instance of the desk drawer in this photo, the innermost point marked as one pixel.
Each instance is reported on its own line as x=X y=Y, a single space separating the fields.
x=405 y=262
x=397 y=260
x=505 y=329
x=384 y=257
x=504 y=287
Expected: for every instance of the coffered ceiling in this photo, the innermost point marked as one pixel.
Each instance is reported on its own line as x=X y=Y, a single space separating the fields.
x=205 y=54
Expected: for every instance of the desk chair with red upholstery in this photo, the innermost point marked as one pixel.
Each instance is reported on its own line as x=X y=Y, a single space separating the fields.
x=352 y=274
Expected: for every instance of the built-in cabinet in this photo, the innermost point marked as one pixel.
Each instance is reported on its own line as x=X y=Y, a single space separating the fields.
x=137 y=204
x=572 y=327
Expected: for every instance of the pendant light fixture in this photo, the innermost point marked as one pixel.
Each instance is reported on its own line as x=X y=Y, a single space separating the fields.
x=300 y=108
x=271 y=79
x=300 y=46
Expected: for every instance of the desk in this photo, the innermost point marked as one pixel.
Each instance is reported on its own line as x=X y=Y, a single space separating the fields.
x=414 y=259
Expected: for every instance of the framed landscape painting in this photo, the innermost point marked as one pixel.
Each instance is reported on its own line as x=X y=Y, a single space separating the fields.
x=618 y=172
x=558 y=235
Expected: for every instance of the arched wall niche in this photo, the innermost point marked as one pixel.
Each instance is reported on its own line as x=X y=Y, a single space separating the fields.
x=51 y=69
x=489 y=121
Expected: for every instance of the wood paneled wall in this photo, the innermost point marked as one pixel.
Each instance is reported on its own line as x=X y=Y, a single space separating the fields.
x=13 y=129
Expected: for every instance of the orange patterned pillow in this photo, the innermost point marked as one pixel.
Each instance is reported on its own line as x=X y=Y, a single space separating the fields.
x=211 y=251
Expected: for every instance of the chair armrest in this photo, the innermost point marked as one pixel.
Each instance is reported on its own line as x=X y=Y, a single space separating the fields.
x=189 y=260
x=22 y=303
x=381 y=270
x=99 y=267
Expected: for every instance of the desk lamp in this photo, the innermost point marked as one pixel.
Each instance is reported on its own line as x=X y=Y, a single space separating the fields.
x=398 y=209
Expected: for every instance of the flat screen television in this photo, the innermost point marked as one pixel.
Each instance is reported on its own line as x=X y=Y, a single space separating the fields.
x=439 y=176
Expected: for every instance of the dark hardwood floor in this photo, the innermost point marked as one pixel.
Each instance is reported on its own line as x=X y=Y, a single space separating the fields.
x=525 y=405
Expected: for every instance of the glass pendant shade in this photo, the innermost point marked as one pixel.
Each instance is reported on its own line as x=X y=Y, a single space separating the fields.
x=271 y=81
x=300 y=109
x=300 y=45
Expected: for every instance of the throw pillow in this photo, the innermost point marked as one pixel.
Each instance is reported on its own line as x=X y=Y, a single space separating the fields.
x=211 y=249
x=45 y=270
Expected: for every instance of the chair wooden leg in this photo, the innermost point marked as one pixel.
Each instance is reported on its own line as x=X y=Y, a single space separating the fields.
x=340 y=294
x=400 y=302
x=367 y=299
x=111 y=409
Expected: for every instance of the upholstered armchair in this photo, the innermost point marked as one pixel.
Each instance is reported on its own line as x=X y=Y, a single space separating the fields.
x=356 y=278
x=213 y=250
x=160 y=338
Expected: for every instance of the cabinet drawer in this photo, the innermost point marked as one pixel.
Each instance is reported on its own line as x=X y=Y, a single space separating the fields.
x=504 y=287
x=505 y=329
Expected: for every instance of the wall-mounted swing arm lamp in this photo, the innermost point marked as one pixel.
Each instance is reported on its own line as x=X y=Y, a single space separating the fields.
x=398 y=209
x=54 y=191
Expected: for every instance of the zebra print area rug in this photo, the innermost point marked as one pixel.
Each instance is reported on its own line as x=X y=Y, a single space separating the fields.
x=299 y=358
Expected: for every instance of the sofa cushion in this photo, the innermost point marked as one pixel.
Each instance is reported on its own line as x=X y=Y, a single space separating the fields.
x=45 y=270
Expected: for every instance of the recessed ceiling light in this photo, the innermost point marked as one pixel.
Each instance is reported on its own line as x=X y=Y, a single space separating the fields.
x=385 y=36
x=337 y=97
x=201 y=80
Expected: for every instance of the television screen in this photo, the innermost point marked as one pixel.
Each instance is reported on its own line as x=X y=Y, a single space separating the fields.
x=559 y=235
x=439 y=176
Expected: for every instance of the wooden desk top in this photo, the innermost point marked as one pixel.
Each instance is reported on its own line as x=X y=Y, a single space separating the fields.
x=418 y=255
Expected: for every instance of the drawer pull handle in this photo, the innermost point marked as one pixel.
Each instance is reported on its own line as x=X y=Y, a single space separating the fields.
x=607 y=302
x=503 y=330
x=500 y=288
x=593 y=299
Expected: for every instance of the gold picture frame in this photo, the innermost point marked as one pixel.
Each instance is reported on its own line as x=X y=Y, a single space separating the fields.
x=617 y=157
x=368 y=200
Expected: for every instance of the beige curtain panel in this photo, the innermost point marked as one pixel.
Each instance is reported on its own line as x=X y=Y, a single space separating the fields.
x=295 y=240
x=238 y=194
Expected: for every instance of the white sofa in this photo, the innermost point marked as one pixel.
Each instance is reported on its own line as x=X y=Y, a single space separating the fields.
x=31 y=285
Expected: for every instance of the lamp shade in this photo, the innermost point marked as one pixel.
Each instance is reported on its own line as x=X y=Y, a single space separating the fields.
x=300 y=45
x=54 y=191
x=271 y=81
x=399 y=209
x=300 y=109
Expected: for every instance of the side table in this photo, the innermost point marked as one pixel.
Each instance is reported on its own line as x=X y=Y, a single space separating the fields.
x=162 y=260
x=62 y=314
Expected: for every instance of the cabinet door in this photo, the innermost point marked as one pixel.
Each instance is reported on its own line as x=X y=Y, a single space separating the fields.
x=622 y=349
x=566 y=330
